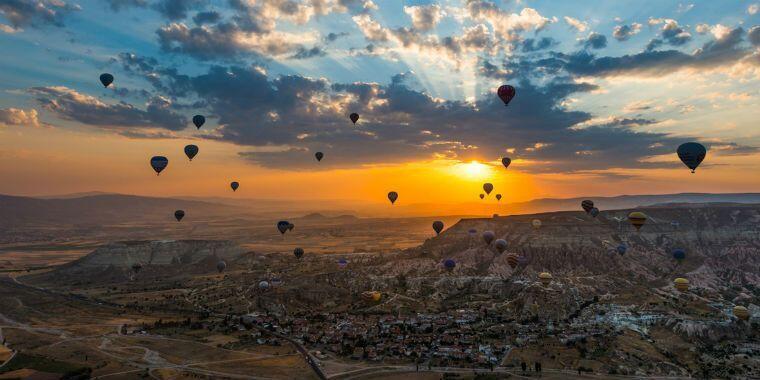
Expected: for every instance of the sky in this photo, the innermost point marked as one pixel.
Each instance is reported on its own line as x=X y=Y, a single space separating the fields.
x=605 y=93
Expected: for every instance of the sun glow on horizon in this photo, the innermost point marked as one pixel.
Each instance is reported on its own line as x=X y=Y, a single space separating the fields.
x=473 y=170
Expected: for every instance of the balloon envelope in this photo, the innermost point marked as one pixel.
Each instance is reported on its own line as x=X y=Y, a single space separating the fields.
x=106 y=79
x=681 y=284
x=506 y=161
x=536 y=223
x=594 y=212
x=545 y=278
x=282 y=226
x=319 y=156
x=199 y=120
x=498 y=197
x=190 y=151
x=506 y=93
x=234 y=185
x=449 y=264
x=298 y=252
x=392 y=196
x=741 y=312
x=587 y=205
x=159 y=163
x=637 y=219
x=487 y=187
x=354 y=117
x=692 y=154
x=679 y=254
x=342 y=263
x=263 y=285
x=179 y=214
x=221 y=266
x=512 y=260
x=437 y=227
x=621 y=249
x=488 y=236
x=500 y=245
x=482 y=196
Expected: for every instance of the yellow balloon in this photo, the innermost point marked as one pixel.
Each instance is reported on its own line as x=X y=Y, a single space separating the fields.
x=536 y=223
x=681 y=284
x=545 y=278
x=741 y=312
x=637 y=219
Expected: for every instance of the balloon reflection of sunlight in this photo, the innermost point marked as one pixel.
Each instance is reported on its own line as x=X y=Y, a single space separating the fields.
x=473 y=170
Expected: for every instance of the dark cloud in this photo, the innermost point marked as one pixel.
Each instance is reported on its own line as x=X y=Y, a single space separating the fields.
x=653 y=63
x=624 y=32
x=595 y=41
x=304 y=53
x=72 y=105
x=754 y=35
x=21 y=13
x=118 y=5
x=670 y=34
x=177 y=9
x=531 y=44
x=332 y=36
x=209 y=17
x=203 y=43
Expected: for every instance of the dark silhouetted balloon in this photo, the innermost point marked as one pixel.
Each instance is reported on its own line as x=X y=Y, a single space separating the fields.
x=488 y=236
x=498 y=197
x=354 y=117
x=691 y=154
x=179 y=214
x=482 y=195
x=621 y=249
x=234 y=185
x=199 y=120
x=500 y=245
x=487 y=187
x=506 y=93
x=594 y=212
x=392 y=196
x=282 y=226
x=449 y=264
x=190 y=151
x=319 y=156
x=291 y=226
x=106 y=79
x=221 y=266
x=298 y=252
x=679 y=254
x=136 y=267
x=437 y=227
x=506 y=161
x=159 y=163
x=587 y=205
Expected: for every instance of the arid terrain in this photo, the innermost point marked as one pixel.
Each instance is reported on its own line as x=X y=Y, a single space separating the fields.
x=153 y=303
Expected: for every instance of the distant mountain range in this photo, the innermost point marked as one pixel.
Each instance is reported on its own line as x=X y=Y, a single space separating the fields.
x=97 y=207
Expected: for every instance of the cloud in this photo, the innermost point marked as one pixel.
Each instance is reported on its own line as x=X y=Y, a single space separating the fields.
x=69 y=104
x=17 y=116
x=595 y=41
x=506 y=26
x=624 y=32
x=332 y=36
x=21 y=13
x=752 y=9
x=208 y=17
x=671 y=33
x=177 y=9
x=754 y=36
x=304 y=53
x=576 y=24
x=531 y=44
x=118 y=5
x=425 y=17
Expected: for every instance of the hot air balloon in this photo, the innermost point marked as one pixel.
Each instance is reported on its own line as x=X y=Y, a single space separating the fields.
x=319 y=156
x=437 y=227
x=536 y=223
x=263 y=285
x=692 y=154
x=741 y=312
x=372 y=296
x=298 y=252
x=190 y=151
x=512 y=260
x=487 y=187
x=234 y=185
x=498 y=197
x=500 y=245
x=506 y=161
x=376 y=296
x=621 y=249
x=679 y=254
x=159 y=163
x=136 y=267
x=449 y=264
x=522 y=260
x=472 y=231
x=594 y=212
x=681 y=284
x=199 y=120
x=482 y=196
x=179 y=214
x=506 y=93
x=282 y=226
x=392 y=196
x=488 y=237
x=276 y=281
x=221 y=266
x=637 y=219
x=354 y=117
x=342 y=263
x=106 y=79
x=291 y=226
x=545 y=278
x=587 y=205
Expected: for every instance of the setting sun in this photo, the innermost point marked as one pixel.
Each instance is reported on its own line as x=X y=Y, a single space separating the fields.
x=473 y=170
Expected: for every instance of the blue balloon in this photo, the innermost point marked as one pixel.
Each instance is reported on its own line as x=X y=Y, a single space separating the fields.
x=621 y=249
x=159 y=163
x=449 y=264
x=190 y=151
x=679 y=254
x=342 y=263
x=692 y=154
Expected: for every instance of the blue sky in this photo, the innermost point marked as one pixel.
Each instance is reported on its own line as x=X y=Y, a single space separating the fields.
x=603 y=87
